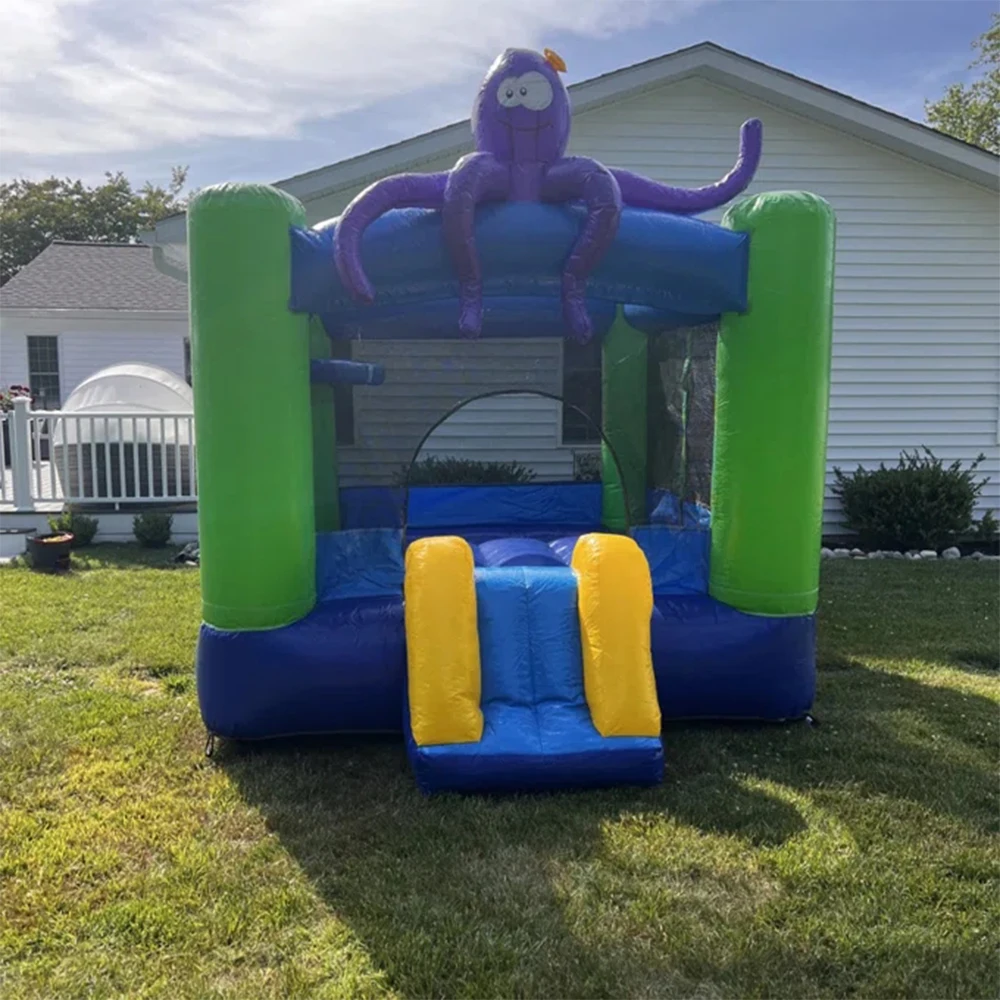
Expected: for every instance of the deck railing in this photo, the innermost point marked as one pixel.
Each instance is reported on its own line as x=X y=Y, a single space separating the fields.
x=112 y=456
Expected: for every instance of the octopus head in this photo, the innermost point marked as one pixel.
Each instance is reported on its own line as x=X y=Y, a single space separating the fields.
x=522 y=110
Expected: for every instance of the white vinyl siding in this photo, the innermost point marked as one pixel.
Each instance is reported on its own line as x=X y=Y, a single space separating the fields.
x=426 y=378
x=87 y=345
x=916 y=357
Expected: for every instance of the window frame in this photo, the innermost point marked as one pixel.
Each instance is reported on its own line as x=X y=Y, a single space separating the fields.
x=40 y=397
x=593 y=440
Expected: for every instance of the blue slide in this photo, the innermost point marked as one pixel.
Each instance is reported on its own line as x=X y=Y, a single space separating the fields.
x=537 y=727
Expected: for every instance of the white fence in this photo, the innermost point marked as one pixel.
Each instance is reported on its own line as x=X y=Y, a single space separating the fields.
x=108 y=457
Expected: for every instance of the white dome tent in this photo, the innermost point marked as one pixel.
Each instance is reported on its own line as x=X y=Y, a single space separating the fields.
x=127 y=433
x=131 y=387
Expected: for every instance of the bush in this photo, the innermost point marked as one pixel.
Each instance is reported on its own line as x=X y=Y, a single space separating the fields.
x=918 y=504
x=152 y=528
x=83 y=528
x=434 y=471
x=987 y=528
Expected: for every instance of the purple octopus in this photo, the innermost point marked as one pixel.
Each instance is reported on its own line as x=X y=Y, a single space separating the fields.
x=521 y=123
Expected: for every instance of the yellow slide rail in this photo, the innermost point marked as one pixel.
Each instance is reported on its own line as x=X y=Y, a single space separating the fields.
x=615 y=601
x=442 y=642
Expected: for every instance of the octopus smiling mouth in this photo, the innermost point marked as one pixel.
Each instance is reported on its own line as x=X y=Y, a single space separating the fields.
x=530 y=129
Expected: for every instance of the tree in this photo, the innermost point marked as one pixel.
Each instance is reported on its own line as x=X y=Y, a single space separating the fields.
x=972 y=112
x=33 y=213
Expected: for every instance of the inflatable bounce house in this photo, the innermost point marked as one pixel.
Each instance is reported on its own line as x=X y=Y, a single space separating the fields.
x=521 y=634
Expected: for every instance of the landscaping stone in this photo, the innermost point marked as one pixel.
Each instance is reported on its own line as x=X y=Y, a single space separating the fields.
x=912 y=555
x=189 y=554
x=952 y=553
x=876 y=555
x=976 y=555
x=825 y=553
x=928 y=554
x=857 y=553
x=841 y=553
x=894 y=555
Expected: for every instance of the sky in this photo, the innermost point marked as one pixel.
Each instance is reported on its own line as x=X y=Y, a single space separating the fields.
x=266 y=89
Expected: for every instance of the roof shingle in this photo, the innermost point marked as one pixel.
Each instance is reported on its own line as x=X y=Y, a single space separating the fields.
x=68 y=275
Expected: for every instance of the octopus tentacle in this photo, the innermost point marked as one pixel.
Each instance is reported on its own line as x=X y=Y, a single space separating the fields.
x=643 y=192
x=475 y=178
x=401 y=191
x=577 y=177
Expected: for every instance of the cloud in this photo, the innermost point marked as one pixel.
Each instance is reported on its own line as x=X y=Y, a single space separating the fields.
x=80 y=77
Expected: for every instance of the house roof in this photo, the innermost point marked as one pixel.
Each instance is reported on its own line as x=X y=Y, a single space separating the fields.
x=706 y=60
x=67 y=275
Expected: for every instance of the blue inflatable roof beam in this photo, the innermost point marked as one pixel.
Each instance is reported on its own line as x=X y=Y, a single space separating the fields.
x=673 y=270
x=332 y=372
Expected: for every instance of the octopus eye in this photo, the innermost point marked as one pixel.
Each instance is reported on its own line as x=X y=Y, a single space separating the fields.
x=524 y=90
x=535 y=91
x=510 y=93
x=507 y=93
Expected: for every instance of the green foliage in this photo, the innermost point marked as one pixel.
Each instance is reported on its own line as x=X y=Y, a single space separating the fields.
x=152 y=528
x=33 y=213
x=83 y=528
x=920 y=503
x=987 y=527
x=433 y=471
x=972 y=112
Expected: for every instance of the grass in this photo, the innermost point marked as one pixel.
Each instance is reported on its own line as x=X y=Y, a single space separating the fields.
x=857 y=858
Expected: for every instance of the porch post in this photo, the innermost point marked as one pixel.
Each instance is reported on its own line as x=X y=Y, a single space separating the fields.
x=20 y=454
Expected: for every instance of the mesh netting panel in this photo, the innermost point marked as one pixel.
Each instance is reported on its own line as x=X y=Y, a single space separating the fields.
x=681 y=412
x=500 y=437
x=525 y=411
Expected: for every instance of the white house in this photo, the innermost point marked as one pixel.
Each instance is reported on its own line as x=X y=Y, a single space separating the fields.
x=79 y=307
x=917 y=303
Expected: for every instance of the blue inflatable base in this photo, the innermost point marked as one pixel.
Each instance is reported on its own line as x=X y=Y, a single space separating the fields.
x=480 y=767
x=342 y=668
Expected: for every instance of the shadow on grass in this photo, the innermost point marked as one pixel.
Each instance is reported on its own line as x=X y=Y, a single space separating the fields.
x=975 y=660
x=470 y=896
x=449 y=896
x=121 y=555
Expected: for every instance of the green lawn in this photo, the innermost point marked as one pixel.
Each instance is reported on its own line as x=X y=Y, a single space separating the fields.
x=854 y=859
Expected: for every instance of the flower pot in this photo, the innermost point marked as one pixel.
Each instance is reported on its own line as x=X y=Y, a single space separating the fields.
x=50 y=553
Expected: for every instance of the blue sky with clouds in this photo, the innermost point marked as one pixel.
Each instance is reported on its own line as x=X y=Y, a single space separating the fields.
x=263 y=89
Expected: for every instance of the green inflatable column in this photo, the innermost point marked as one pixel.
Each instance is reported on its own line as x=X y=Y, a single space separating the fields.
x=251 y=391
x=326 y=481
x=623 y=392
x=772 y=395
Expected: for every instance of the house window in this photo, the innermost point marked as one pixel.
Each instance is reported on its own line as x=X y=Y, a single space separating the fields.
x=343 y=396
x=43 y=372
x=581 y=390
x=187 y=360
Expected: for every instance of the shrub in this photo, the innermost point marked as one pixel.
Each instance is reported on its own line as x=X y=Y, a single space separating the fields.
x=83 y=528
x=918 y=504
x=987 y=527
x=152 y=528
x=433 y=471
